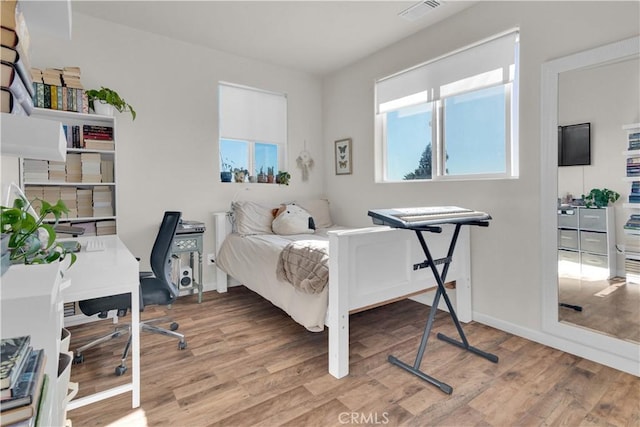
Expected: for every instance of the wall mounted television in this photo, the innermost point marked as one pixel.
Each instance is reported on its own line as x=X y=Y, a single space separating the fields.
x=574 y=145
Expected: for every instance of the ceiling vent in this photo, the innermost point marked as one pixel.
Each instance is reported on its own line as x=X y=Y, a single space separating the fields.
x=418 y=10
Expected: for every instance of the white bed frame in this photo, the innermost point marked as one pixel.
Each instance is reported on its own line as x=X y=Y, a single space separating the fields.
x=369 y=267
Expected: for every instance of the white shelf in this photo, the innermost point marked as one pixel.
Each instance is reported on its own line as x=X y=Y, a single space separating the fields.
x=69 y=184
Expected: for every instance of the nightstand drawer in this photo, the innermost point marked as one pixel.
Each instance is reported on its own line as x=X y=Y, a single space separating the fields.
x=568 y=239
x=593 y=219
x=593 y=242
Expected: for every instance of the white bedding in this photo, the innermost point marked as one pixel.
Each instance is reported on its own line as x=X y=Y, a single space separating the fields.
x=252 y=260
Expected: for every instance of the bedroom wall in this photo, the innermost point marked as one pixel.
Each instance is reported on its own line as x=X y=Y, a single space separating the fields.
x=506 y=256
x=168 y=158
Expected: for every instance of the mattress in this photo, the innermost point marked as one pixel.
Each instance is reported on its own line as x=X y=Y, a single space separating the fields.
x=252 y=260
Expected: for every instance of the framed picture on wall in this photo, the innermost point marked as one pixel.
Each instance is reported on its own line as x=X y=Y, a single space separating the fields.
x=343 y=157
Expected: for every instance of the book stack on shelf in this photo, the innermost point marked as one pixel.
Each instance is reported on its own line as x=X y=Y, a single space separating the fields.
x=84 y=197
x=97 y=137
x=91 y=167
x=104 y=228
x=57 y=171
x=16 y=91
x=102 y=201
x=59 y=89
x=36 y=170
x=69 y=198
x=74 y=167
x=633 y=166
x=22 y=378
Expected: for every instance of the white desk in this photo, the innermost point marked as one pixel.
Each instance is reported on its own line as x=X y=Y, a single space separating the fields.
x=102 y=273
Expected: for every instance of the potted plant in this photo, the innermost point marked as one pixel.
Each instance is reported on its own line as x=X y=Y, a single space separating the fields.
x=105 y=96
x=270 y=176
x=31 y=240
x=262 y=177
x=600 y=197
x=283 y=178
x=226 y=171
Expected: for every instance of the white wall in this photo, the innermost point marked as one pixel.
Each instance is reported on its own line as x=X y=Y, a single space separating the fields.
x=506 y=256
x=167 y=159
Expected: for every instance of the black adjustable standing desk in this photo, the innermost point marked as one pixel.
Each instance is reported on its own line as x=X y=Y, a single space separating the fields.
x=430 y=219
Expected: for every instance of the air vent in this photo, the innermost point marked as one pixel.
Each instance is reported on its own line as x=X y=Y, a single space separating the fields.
x=418 y=10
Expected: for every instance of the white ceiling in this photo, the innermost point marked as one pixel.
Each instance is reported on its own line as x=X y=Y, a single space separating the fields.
x=312 y=36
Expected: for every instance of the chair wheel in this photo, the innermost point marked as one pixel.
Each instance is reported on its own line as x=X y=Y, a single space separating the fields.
x=174 y=326
x=182 y=345
x=120 y=370
x=78 y=359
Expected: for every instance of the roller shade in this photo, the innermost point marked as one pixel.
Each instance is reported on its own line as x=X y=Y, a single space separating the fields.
x=252 y=114
x=485 y=64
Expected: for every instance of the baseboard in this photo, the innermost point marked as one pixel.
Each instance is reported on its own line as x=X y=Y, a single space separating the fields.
x=577 y=349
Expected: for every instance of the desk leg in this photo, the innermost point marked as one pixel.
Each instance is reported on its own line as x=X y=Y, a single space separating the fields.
x=135 y=349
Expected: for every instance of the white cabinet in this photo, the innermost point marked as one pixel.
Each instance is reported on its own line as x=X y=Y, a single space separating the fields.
x=31 y=304
x=586 y=242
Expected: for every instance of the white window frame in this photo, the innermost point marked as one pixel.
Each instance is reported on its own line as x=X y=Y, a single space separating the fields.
x=438 y=143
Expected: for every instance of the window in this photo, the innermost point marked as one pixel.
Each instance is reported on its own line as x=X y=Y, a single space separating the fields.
x=253 y=129
x=451 y=118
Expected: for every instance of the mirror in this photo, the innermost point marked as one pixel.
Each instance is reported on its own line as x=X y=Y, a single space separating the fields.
x=594 y=104
x=574 y=91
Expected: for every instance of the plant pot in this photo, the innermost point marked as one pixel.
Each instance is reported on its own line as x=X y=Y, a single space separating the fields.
x=271 y=179
x=225 y=176
x=262 y=178
x=103 y=109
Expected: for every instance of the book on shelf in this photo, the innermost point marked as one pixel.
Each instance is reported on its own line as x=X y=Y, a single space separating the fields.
x=99 y=144
x=10 y=55
x=25 y=390
x=12 y=18
x=9 y=104
x=13 y=354
x=10 y=79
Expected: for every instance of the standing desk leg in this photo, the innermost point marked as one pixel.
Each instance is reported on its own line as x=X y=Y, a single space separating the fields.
x=441 y=291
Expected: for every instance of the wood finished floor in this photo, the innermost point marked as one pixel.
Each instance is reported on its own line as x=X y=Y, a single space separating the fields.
x=616 y=314
x=248 y=364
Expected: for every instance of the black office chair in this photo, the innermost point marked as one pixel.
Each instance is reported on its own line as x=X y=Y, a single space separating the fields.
x=156 y=288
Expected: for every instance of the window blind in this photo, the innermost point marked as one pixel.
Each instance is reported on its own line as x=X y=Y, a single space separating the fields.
x=484 y=64
x=252 y=114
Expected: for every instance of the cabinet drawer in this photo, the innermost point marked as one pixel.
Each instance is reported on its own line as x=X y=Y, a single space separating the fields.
x=591 y=260
x=569 y=256
x=568 y=239
x=568 y=219
x=593 y=242
x=593 y=219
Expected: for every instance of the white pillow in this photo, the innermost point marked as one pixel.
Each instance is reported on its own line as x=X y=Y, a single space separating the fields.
x=251 y=218
x=292 y=219
x=319 y=210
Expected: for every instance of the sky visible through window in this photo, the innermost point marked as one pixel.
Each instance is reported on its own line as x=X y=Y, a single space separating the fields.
x=235 y=154
x=474 y=135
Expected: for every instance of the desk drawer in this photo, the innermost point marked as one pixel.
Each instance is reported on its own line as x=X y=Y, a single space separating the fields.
x=568 y=239
x=593 y=219
x=591 y=241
